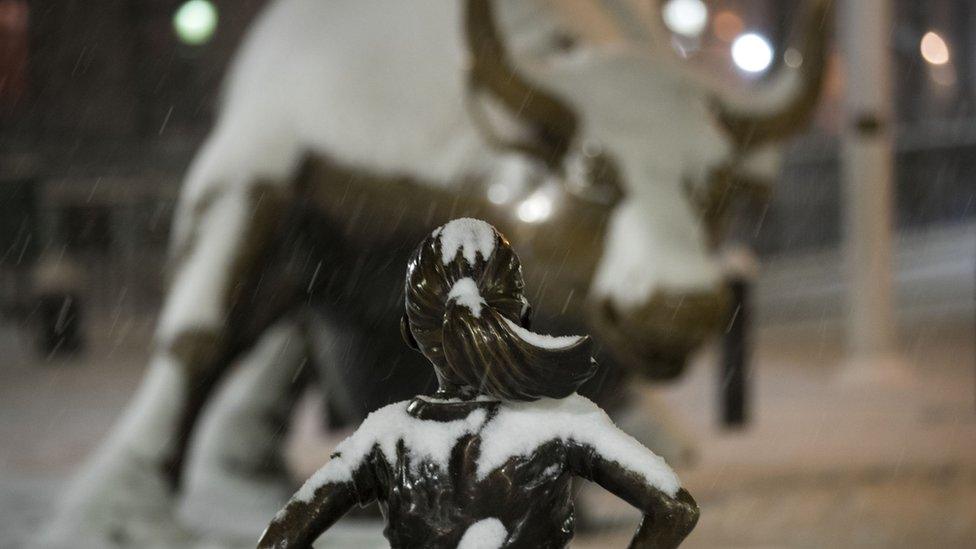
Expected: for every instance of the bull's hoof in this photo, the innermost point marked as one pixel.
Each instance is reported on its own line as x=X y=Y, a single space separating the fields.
x=119 y=501
x=125 y=532
x=103 y=526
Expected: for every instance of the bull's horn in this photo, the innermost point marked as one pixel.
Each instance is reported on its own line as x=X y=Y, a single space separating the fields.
x=552 y=122
x=749 y=129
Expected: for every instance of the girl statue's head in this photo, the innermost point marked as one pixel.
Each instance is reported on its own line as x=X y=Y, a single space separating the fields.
x=466 y=312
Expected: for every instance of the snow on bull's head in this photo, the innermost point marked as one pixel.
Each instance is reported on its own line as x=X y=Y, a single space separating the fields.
x=622 y=124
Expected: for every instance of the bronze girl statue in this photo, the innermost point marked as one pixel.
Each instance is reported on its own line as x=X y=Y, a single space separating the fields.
x=488 y=460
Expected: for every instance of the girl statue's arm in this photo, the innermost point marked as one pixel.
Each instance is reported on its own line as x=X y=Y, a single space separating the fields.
x=300 y=523
x=324 y=499
x=667 y=520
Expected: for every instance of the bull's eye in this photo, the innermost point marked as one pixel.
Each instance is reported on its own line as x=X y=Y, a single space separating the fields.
x=564 y=42
x=610 y=313
x=592 y=148
x=593 y=174
x=603 y=171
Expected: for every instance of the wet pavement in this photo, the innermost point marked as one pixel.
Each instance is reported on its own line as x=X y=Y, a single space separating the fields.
x=824 y=462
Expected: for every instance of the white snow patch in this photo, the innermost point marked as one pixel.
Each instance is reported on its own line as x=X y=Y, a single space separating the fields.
x=465 y=292
x=645 y=253
x=395 y=104
x=424 y=439
x=551 y=470
x=471 y=236
x=454 y=400
x=487 y=533
x=520 y=428
x=517 y=430
x=542 y=340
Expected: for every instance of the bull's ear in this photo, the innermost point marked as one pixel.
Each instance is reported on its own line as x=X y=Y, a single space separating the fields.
x=500 y=127
x=407 y=335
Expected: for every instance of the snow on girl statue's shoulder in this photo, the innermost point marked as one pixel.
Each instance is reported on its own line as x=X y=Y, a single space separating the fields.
x=488 y=460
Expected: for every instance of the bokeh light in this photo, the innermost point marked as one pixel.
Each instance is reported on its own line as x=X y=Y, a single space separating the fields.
x=535 y=208
x=727 y=25
x=499 y=193
x=934 y=49
x=685 y=17
x=752 y=53
x=793 y=58
x=13 y=15
x=195 y=22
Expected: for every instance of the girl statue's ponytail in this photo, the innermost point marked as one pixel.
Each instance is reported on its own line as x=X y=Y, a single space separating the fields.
x=467 y=314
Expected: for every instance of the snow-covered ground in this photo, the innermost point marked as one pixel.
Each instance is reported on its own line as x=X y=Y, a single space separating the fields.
x=823 y=463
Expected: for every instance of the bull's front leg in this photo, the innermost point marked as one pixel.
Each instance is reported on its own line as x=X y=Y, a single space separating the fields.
x=215 y=308
x=237 y=475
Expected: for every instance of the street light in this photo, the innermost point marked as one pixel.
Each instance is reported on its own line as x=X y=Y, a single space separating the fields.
x=934 y=49
x=195 y=22
x=752 y=53
x=536 y=208
x=685 y=17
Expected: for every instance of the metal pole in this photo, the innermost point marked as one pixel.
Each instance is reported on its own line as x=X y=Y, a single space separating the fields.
x=865 y=29
x=734 y=391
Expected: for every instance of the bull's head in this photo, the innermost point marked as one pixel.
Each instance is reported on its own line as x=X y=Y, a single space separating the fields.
x=663 y=151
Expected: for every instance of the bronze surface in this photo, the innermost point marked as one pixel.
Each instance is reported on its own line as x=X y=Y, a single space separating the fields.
x=553 y=123
x=559 y=258
x=429 y=506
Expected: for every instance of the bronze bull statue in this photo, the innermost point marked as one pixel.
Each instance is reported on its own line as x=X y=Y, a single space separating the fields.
x=349 y=130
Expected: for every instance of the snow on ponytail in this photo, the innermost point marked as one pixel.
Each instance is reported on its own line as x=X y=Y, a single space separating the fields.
x=467 y=312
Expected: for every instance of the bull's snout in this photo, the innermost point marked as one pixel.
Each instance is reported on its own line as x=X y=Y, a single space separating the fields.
x=657 y=337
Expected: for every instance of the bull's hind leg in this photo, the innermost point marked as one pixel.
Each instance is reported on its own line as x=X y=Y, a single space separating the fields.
x=216 y=307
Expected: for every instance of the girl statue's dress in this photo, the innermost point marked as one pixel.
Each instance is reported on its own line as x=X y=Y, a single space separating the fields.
x=488 y=461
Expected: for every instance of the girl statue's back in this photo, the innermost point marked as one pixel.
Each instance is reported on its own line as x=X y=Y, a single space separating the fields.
x=488 y=460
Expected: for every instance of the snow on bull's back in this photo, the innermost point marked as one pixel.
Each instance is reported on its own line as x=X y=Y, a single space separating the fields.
x=520 y=428
x=471 y=236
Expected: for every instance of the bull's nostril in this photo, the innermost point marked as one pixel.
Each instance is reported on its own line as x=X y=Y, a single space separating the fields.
x=610 y=313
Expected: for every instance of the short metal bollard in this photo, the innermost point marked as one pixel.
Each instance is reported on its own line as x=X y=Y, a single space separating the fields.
x=741 y=271
x=734 y=389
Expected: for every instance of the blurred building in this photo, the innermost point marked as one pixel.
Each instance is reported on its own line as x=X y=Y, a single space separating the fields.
x=102 y=105
x=935 y=144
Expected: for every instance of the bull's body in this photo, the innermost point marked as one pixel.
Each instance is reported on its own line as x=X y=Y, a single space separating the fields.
x=345 y=137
